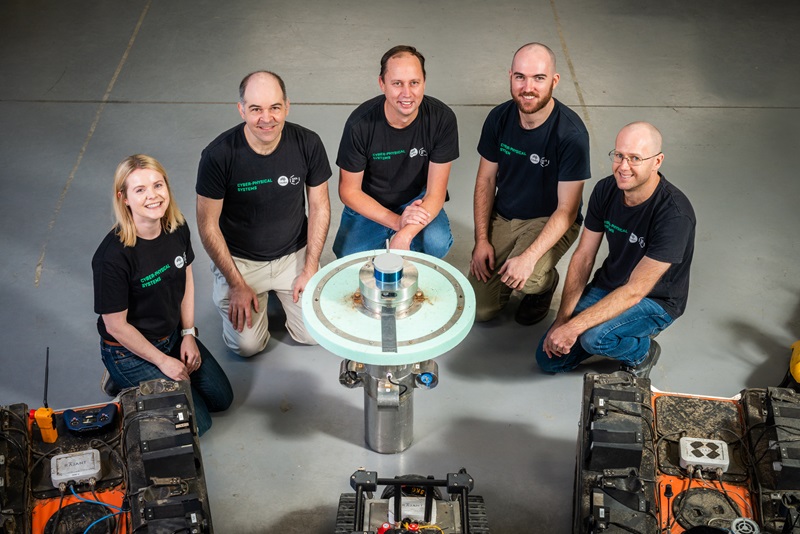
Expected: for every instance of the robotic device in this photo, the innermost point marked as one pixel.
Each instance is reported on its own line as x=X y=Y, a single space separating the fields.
x=389 y=314
x=411 y=504
x=132 y=465
x=651 y=462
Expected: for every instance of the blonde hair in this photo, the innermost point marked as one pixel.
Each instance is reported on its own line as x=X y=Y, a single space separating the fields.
x=125 y=227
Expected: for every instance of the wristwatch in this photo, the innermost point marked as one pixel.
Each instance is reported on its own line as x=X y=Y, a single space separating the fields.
x=193 y=331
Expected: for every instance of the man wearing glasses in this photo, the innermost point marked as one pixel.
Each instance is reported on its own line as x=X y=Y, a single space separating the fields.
x=527 y=204
x=643 y=284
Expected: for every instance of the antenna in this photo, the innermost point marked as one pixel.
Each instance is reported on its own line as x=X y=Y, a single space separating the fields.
x=46 y=375
x=44 y=416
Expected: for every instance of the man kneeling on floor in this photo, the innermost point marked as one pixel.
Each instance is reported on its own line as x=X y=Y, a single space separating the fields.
x=643 y=284
x=534 y=160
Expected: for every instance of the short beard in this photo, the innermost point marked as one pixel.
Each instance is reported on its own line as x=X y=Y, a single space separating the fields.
x=543 y=101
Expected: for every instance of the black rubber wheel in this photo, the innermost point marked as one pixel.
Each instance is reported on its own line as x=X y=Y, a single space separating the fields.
x=478 y=522
x=346 y=514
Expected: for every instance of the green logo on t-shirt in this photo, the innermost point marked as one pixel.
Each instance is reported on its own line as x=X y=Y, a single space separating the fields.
x=154 y=278
x=611 y=228
x=505 y=149
x=251 y=186
x=382 y=156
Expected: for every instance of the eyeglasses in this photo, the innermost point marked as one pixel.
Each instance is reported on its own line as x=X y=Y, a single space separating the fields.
x=633 y=161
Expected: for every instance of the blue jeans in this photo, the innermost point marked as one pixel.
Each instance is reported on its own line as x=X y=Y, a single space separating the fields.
x=357 y=234
x=626 y=337
x=211 y=390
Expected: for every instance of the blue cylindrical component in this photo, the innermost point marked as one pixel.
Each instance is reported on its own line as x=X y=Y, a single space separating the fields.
x=388 y=278
x=388 y=269
x=426 y=379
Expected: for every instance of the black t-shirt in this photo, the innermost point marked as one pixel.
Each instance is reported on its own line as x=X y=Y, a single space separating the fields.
x=532 y=162
x=264 y=210
x=148 y=280
x=661 y=228
x=395 y=161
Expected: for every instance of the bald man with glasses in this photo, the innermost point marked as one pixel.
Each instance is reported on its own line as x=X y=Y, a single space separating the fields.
x=643 y=284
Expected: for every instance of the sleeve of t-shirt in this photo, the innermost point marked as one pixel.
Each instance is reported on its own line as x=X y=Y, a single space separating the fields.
x=110 y=286
x=352 y=154
x=573 y=158
x=319 y=168
x=488 y=145
x=594 y=212
x=445 y=148
x=670 y=235
x=189 y=249
x=211 y=179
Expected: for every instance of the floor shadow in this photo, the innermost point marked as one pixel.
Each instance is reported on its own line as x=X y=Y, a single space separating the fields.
x=776 y=353
x=523 y=474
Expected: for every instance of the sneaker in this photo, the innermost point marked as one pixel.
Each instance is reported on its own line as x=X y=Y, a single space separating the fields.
x=534 y=308
x=643 y=369
x=108 y=385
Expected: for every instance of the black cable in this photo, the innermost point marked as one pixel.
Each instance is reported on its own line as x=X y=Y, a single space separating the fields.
x=777 y=442
x=747 y=457
x=19 y=418
x=113 y=509
x=734 y=506
x=42 y=456
x=753 y=466
x=612 y=407
x=25 y=475
x=675 y=471
x=402 y=391
x=617 y=408
x=787 y=429
x=58 y=514
x=21 y=450
x=114 y=454
x=665 y=436
x=16 y=444
x=685 y=498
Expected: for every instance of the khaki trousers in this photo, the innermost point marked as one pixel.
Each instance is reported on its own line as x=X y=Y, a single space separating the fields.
x=263 y=276
x=509 y=239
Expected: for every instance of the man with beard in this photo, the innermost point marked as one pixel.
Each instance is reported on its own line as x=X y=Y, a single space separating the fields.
x=534 y=160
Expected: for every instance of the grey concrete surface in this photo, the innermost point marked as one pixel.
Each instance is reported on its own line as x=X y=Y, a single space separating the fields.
x=87 y=83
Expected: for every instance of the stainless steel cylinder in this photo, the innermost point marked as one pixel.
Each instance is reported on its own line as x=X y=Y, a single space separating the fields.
x=388 y=408
x=397 y=294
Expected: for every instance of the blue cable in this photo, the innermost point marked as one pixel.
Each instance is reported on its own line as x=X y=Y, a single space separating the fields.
x=99 y=520
x=72 y=489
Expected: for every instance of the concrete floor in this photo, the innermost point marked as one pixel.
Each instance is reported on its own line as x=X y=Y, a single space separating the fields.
x=86 y=83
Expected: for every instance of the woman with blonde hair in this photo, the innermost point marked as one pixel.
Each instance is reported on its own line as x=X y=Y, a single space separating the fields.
x=144 y=292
